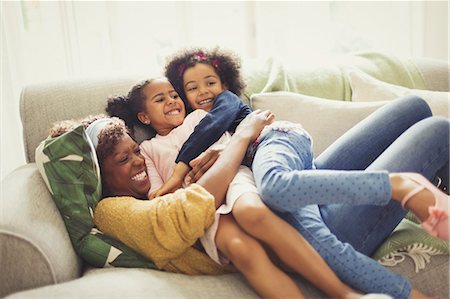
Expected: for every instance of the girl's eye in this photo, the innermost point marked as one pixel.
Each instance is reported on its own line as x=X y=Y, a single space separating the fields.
x=159 y=100
x=191 y=88
x=175 y=96
x=137 y=151
x=211 y=83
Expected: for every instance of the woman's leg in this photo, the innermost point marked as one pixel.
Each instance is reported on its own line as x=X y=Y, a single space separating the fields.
x=259 y=221
x=250 y=258
x=363 y=143
x=424 y=149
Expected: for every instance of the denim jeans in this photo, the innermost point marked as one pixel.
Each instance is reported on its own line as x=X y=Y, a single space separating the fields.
x=400 y=136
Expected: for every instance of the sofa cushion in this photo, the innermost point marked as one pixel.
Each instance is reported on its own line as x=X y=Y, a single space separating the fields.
x=324 y=119
x=69 y=167
x=146 y=283
x=367 y=88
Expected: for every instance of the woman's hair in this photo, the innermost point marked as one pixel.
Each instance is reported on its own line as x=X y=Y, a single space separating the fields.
x=127 y=107
x=226 y=64
x=108 y=137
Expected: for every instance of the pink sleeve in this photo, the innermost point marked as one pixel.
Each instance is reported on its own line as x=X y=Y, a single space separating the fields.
x=155 y=179
x=194 y=118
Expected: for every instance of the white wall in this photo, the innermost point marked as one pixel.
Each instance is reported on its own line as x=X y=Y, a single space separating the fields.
x=46 y=41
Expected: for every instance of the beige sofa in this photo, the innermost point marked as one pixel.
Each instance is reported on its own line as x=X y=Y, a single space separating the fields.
x=36 y=256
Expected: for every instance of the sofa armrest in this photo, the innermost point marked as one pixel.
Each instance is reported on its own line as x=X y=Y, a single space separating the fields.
x=35 y=246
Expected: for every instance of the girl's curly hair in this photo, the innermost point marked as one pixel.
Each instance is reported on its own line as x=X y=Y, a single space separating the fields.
x=108 y=137
x=226 y=63
x=127 y=107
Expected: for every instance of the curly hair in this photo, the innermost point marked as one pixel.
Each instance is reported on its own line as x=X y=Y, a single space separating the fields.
x=108 y=137
x=127 y=107
x=226 y=64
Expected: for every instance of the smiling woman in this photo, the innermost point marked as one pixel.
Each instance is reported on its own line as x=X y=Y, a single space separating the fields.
x=124 y=170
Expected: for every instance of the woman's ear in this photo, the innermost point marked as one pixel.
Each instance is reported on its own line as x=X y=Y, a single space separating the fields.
x=143 y=118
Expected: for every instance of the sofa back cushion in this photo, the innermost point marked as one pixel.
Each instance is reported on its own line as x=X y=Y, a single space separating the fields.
x=324 y=119
x=42 y=105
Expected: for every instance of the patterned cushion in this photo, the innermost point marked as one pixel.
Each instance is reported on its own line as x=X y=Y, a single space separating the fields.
x=68 y=164
x=410 y=240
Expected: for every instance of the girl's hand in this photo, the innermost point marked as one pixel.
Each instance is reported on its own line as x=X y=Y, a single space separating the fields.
x=172 y=185
x=201 y=164
x=253 y=124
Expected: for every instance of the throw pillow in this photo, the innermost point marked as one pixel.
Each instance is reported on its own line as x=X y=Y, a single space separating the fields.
x=410 y=240
x=324 y=119
x=68 y=164
x=367 y=88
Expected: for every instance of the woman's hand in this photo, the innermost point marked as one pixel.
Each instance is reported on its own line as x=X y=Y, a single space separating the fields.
x=202 y=163
x=253 y=124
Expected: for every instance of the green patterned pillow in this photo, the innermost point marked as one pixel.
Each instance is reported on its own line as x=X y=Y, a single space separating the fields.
x=410 y=240
x=68 y=164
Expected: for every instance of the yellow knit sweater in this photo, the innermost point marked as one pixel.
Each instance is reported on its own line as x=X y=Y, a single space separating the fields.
x=164 y=229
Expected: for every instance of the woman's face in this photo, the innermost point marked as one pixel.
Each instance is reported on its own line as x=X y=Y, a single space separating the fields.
x=124 y=172
x=164 y=109
x=202 y=85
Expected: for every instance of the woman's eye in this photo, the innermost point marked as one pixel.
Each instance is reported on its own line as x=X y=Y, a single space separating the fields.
x=211 y=83
x=123 y=159
x=159 y=100
x=137 y=151
x=175 y=96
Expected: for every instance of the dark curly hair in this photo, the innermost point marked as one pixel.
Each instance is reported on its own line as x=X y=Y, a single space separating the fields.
x=226 y=63
x=108 y=137
x=127 y=107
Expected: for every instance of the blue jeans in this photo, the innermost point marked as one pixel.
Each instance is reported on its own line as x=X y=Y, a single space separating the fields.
x=401 y=136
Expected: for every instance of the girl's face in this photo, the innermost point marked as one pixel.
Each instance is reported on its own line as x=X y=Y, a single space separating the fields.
x=202 y=85
x=164 y=109
x=124 y=171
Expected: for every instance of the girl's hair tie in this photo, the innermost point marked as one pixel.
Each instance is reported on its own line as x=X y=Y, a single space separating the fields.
x=181 y=69
x=200 y=56
x=216 y=63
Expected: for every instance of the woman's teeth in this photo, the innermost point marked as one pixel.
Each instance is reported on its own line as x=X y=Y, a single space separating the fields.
x=139 y=176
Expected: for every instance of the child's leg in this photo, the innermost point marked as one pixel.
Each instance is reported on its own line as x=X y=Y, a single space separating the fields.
x=250 y=258
x=260 y=222
x=284 y=178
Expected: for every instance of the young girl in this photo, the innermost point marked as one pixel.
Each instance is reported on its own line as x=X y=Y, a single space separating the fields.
x=235 y=237
x=281 y=158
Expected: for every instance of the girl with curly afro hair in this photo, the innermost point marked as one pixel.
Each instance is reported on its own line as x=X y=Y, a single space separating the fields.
x=224 y=64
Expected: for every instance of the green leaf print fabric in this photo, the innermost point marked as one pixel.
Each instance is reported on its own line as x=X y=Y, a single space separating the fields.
x=68 y=164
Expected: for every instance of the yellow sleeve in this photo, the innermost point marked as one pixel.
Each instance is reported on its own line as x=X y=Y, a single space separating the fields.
x=160 y=229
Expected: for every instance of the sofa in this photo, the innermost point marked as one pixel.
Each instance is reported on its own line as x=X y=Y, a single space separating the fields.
x=37 y=259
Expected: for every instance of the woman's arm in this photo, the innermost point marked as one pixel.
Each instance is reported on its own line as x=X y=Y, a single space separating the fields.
x=228 y=111
x=219 y=176
x=159 y=229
